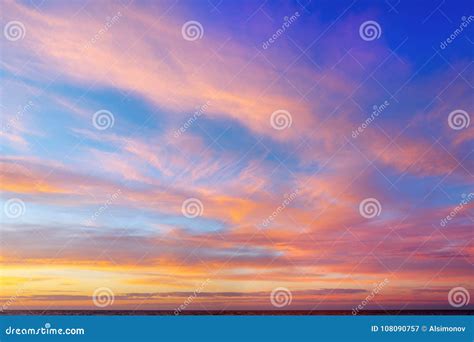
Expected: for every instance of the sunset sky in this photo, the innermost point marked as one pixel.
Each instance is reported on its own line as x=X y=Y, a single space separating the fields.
x=225 y=151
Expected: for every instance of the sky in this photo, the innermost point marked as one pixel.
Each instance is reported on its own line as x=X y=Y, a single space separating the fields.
x=219 y=155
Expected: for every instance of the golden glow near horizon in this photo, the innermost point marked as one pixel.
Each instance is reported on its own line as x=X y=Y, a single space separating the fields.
x=162 y=155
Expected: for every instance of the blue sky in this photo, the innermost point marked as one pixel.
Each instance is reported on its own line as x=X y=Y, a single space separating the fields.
x=93 y=94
